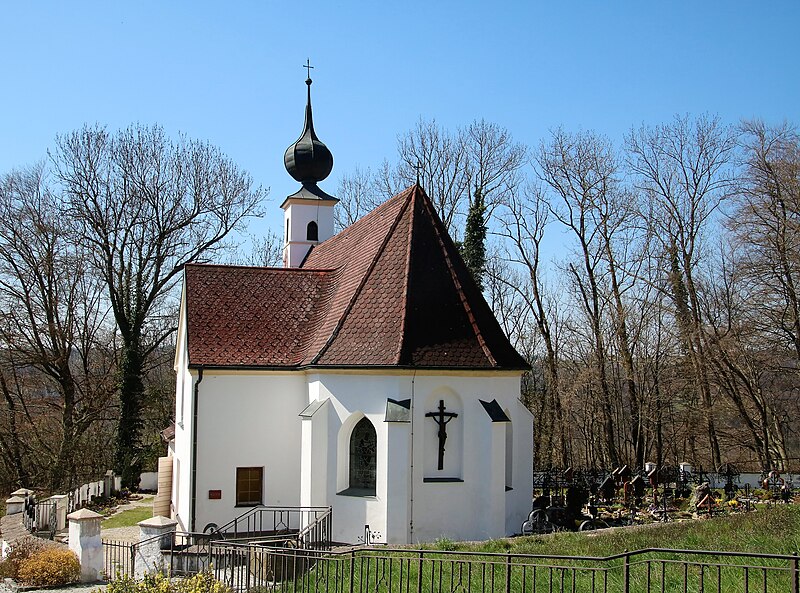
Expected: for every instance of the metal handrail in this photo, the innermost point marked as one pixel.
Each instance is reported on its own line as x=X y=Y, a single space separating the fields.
x=319 y=521
x=232 y=526
x=503 y=556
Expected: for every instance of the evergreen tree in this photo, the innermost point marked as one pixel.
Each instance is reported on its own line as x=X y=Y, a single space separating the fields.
x=474 y=247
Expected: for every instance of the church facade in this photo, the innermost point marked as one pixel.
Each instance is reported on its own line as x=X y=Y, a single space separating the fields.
x=368 y=374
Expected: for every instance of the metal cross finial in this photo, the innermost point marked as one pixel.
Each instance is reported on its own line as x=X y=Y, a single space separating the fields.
x=308 y=67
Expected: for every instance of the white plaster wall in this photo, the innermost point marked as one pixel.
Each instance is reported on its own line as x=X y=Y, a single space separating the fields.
x=248 y=420
x=299 y=215
x=476 y=508
x=182 y=446
x=253 y=420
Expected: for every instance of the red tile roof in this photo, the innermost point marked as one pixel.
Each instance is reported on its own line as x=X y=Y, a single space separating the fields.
x=390 y=290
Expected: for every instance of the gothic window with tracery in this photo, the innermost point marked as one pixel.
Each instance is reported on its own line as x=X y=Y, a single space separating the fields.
x=363 y=457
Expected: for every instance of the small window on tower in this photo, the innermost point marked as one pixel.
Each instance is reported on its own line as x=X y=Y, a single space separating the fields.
x=312 y=232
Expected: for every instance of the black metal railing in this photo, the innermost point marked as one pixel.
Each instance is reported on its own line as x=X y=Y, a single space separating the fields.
x=189 y=553
x=246 y=566
x=265 y=521
x=40 y=517
x=119 y=558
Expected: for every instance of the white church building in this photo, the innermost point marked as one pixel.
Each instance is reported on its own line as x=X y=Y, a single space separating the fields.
x=368 y=375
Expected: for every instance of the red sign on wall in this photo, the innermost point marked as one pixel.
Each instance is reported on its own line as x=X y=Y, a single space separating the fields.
x=215 y=494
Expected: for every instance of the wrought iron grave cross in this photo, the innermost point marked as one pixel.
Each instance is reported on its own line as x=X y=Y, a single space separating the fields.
x=441 y=418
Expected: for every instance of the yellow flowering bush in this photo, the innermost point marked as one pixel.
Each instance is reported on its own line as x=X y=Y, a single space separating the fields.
x=203 y=582
x=50 y=567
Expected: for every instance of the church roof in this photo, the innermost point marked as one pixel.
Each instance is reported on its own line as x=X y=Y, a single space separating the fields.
x=391 y=290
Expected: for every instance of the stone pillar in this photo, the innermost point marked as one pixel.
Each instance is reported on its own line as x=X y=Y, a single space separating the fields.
x=61 y=501
x=84 y=540
x=15 y=505
x=154 y=535
x=108 y=484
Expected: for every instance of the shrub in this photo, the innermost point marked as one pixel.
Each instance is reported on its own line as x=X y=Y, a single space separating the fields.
x=50 y=567
x=20 y=551
x=202 y=582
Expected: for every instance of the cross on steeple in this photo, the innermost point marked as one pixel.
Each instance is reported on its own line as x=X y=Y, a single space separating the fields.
x=441 y=418
x=308 y=67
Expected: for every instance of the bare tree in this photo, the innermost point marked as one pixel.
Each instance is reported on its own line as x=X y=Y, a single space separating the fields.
x=359 y=193
x=494 y=162
x=766 y=224
x=54 y=329
x=522 y=224
x=683 y=169
x=146 y=206
x=580 y=170
x=453 y=165
x=266 y=251
x=438 y=159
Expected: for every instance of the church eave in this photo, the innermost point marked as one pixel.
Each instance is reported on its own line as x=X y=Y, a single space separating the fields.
x=363 y=367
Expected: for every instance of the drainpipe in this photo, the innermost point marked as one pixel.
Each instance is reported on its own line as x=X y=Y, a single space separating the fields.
x=194 y=448
x=411 y=469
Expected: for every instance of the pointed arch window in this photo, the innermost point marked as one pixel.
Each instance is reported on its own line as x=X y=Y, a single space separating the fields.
x=363 y=458
x=312 y=231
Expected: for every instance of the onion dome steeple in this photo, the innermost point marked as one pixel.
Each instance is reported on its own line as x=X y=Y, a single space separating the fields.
x=308 y=160
x=308 y=213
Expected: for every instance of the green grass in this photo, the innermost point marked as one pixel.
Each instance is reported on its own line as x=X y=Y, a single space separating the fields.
x=128 y=518
x=774 y=530
x=447 y=569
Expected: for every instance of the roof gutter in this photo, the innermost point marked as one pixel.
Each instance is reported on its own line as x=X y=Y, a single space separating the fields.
x=365 y=367
x=193 y=460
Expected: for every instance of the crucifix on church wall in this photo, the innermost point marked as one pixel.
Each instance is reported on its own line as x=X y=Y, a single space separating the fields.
x=441 y=418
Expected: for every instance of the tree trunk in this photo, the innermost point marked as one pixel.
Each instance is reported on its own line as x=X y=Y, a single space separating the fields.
x=128 y=453
x=13 y=445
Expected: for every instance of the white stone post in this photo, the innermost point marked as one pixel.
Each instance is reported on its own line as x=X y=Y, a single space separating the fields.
x=84 y=540
x=61 y=501
x=152 y=534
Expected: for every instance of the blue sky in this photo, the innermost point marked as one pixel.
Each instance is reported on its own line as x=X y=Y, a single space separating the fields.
x=230 y=72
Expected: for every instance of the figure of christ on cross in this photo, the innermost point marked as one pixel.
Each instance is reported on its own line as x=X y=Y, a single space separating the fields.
x=441 y=418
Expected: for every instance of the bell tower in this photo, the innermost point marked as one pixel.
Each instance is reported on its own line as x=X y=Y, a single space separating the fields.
x=307 y=213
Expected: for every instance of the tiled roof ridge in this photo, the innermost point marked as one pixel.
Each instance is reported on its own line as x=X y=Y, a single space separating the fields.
x=400 y=358
x=440 y=234
x=368 y=273
x=255 y=268
x=321 y=308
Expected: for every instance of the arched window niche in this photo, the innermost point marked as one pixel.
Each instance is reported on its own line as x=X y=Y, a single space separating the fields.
x=358 y=456
x=312 y=231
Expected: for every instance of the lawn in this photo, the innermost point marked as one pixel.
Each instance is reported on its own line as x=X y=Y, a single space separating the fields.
x=774 y=530
x=769 y=530
x=128 y=518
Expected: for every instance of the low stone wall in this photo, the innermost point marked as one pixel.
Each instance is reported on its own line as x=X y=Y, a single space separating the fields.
x=13 y=530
